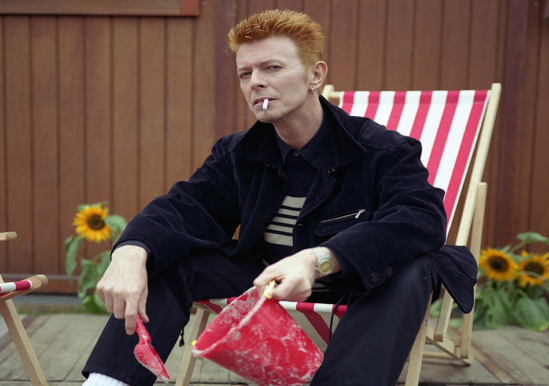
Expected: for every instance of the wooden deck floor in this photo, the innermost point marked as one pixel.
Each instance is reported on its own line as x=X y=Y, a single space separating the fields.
x=511 y=356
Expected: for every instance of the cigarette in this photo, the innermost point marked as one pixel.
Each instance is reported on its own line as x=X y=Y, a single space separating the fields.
x=265 y=103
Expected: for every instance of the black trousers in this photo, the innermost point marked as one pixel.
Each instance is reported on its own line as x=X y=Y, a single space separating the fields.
x=369 y=347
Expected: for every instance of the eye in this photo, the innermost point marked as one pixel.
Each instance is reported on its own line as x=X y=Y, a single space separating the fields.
x=244 y=75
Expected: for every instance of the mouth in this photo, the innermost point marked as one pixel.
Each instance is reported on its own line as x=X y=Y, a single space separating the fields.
x=259 y=101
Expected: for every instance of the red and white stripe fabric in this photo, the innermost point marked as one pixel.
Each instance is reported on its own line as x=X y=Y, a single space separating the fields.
x=23 y=285
x=446 y=122
x=313 y=318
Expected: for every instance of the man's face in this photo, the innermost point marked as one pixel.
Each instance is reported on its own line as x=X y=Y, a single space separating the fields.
x=272 y=69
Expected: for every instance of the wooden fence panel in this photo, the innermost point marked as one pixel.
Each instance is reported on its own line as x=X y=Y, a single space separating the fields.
x=72 y=142
x=117 y=109
x=152 y=52
x=18 y=142
x=3 y=182
x=43 y=32
x=125 y=41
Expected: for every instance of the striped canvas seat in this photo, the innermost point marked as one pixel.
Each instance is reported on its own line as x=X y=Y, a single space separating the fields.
x=448 y=124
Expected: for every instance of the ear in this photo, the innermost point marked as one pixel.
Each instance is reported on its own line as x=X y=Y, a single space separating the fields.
x=318 y=74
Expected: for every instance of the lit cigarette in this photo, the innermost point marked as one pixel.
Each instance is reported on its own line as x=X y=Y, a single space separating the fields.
x=265 y=103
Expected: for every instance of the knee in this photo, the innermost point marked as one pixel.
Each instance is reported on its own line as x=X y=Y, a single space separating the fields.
x=420 y=273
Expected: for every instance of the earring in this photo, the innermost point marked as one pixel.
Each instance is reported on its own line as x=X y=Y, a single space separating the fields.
x=312 y=91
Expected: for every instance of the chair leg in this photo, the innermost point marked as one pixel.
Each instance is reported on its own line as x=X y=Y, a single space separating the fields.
x=23 y=344
x=416 y=354
x=187 y=365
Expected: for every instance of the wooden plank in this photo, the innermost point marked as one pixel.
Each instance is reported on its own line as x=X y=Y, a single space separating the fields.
x=3 y=150
x=95 y=324
x=180 y=101
x=225 y=70
x=71 y=125
x=526 y=207
x=371 y=45
x=511 y=115
x=427 y=45
x=27 y=355
x=18 y=142
x=343 y=34
x=293 y=5
x=540 y=163
x=204 y=84
x=491 y=174
x=50 y=331
x=125 y=117
x=502 y=352
x=58 y=366
x=399 y=46
x=102 y=7
x=44 y=66
x=242 y=112
x=152 y=96
x=455 y=47
x=98 y=115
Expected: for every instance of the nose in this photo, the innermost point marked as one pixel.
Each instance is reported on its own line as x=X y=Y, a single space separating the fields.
x=257 y=80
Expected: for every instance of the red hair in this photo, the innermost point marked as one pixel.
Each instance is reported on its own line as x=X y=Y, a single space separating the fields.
x=305 y=32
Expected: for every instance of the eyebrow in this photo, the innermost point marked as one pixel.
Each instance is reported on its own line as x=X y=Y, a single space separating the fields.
x=262 y=63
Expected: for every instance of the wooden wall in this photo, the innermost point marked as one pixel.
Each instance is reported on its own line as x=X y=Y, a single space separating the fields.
x=118 y=108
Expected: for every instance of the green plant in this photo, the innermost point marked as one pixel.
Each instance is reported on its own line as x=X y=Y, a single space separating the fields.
x=513 y=287
x=93 y=223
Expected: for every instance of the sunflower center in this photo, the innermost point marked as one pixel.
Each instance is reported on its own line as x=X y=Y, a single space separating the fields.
x=534 y=267
x=95 y=222
x=498 y=264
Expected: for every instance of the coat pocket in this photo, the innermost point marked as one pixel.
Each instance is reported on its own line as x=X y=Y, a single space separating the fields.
x=336 y=224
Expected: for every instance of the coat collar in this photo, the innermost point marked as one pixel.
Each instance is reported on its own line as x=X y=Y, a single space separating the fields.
x=259 y=142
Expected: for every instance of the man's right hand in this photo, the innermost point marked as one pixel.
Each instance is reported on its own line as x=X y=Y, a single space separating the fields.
x=123 y=287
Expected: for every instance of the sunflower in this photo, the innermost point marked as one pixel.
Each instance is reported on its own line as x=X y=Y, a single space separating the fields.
x=539 y=264
x=90 y=225
x=499 y=266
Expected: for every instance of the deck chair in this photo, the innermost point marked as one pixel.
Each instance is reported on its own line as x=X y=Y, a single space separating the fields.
x=15 y=327
x=452 y=126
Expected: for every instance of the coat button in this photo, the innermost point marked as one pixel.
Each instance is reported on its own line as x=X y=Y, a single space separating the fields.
x=266 y=220
x=375 y=277
x=389 y=271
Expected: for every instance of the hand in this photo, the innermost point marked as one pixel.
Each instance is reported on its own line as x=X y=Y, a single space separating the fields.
x=295 y=274
x=123 y=287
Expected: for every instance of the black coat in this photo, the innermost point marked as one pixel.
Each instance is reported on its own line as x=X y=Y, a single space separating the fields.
x=366 y=169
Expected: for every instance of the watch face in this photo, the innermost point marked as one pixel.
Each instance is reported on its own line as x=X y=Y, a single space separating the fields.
x=326 y=266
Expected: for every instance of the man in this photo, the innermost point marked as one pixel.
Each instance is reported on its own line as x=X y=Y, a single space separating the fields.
x=332 y=207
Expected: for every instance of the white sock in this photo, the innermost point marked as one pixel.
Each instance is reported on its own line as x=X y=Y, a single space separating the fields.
x=96 y=379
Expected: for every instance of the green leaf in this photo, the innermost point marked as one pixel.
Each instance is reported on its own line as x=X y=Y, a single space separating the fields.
x=104 y=264
x=116 y=223
x=435 y=308
x=496 y=315
x=532 y=237
x=88 y=277
x=72 y=244
x=94 y=305
x=532 y=314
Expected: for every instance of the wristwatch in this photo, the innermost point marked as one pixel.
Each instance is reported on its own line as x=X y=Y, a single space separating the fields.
x=324 y=263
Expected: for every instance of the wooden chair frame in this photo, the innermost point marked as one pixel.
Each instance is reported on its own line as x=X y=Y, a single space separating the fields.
x=15 y=327
x=470 y=228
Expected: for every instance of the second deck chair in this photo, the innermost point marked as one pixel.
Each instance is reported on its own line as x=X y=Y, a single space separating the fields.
x=452 y=126
x=15 y=327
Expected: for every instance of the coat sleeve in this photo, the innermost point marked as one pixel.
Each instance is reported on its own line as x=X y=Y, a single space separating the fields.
x=409 y=220
x=200 y=213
